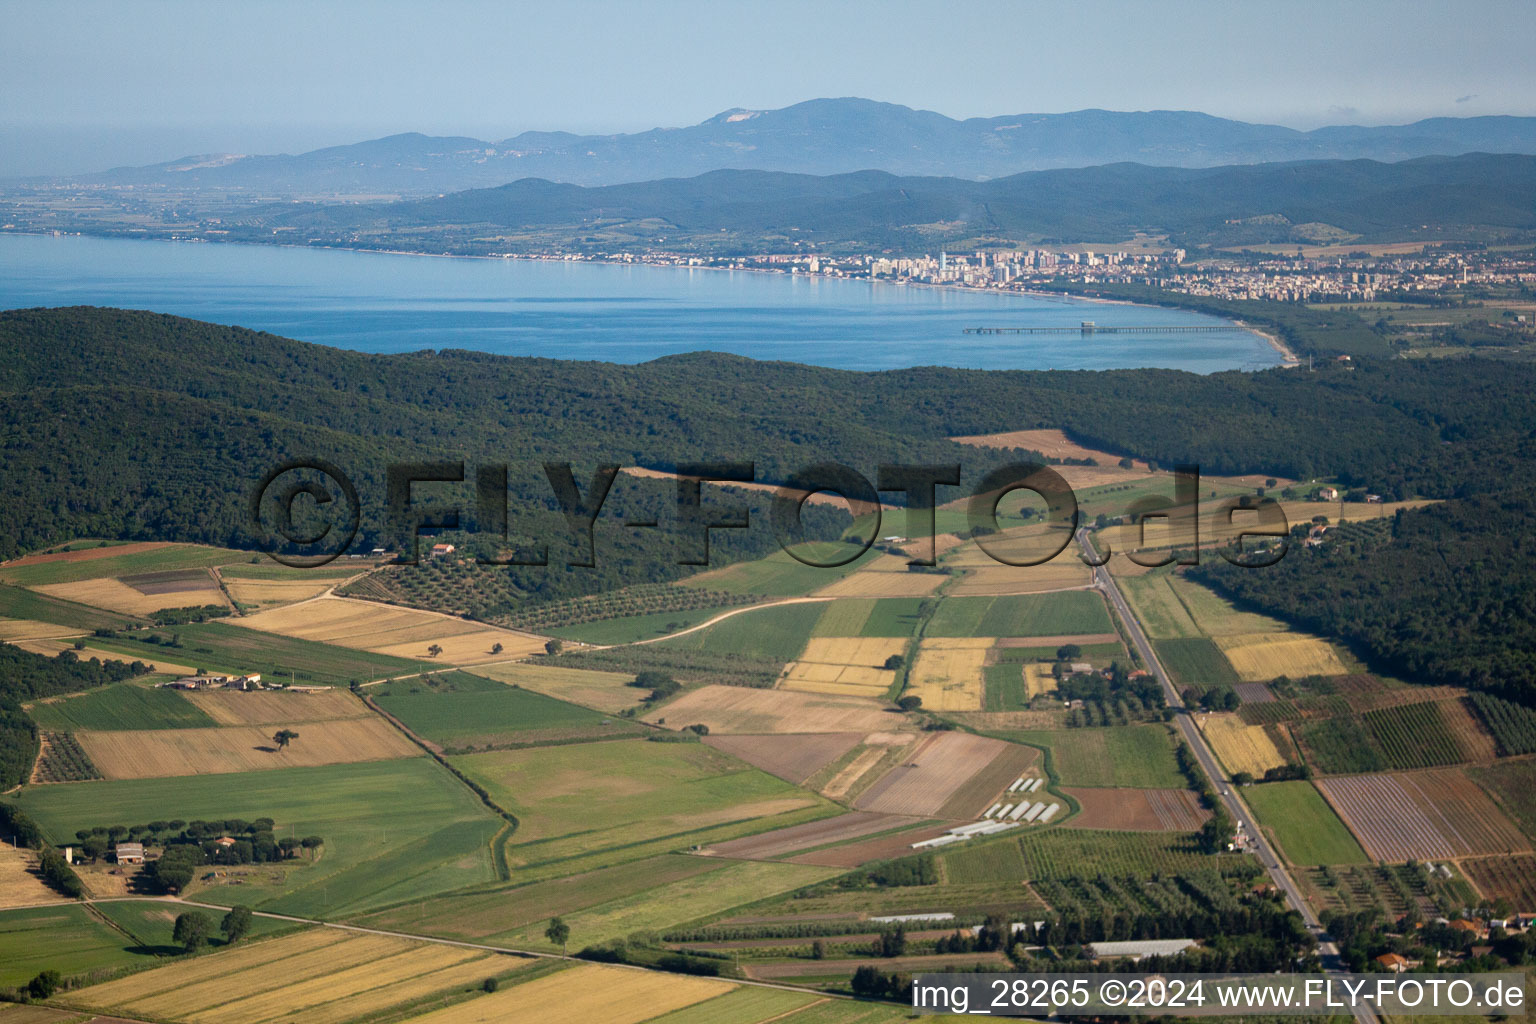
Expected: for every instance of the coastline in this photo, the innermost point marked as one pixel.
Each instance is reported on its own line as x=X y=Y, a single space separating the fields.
x=1287 y=357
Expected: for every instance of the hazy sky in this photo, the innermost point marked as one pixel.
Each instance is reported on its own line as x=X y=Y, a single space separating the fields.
x=87 y=85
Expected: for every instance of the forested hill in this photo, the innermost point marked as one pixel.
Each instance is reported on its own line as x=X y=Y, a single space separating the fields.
x=1472 y=196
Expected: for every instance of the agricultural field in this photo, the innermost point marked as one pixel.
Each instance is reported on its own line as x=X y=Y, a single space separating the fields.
x=1158 y=608
x=121 y=706
x=119 y=595
x=588 y=992
x=321 y=976
x=1069 y=612
x=263 y=594
x=153 y=924
x=948 y=673
x=948 y=775
x=115 y=560
x=1513 y=726
x=19 y=885
x=393 y=830
x=1138 y=810
x=749 y=1005
x=163 y=753
x=1195 y=661
x=1259 y=657
x=393 y=631
x=1423 y=816
x=887 y=576
x=1510 y=878
x=852 y=666
x=53 y=648
x=1114 y=757
x=223 y=647
x=499 y=717
x=610 y=797
x=769 y=633
x=1304 y=826
x=67 y=939
x=1408 y=736
x=997 y=580
x=791 y=757
x=814 y=835
x=1244 y=748
x=274 y=707
x=1074 y=853
x=1513 y=785
x=743 y=710
x=635 y=628
x=1214 y=615
x=889 y=617
x=18 y=603
x=1011 y=685
x=604 y=691
x=60 y=758
x=778 y=575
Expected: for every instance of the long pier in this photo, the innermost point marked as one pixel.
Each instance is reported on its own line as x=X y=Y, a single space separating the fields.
x=1090 y=328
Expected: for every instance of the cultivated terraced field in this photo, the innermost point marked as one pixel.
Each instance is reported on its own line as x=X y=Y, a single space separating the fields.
x=1423 y=816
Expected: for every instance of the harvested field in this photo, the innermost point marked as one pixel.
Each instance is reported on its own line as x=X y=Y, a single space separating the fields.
x=117 y=596
x=1215 y=615
x=1014 y=721
x=613 y=995
x=1158 y=608
x=988 y=785
x=319 y=976
x=852 y=855
x=12 y=630
x=938 y=767
x=400 y=632
x=1057 y=445
x=19 y=887
x=163 y=753
x=605 y=691
x=737 y=709
x=798 y=838
x=269 y=707
x=856 y=774
x=1422 y=816
x=847 y=666
x=1138 y=810
x=1242 y=748
x=1510 y=878
x=265 y=594
x=1038 y=679
x=1259 y=657
x=792 y=757
x=876 y=582
x=948 y=675
x=1002 y=580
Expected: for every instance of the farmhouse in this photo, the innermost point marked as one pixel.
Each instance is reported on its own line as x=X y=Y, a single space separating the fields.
x=128 y=853
x=1395 y=962
x=441 y=550
x=1327 y=494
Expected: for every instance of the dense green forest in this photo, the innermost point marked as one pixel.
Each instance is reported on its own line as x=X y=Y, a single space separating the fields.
x=25 y=676
x=1446 y=595
x=736 y=211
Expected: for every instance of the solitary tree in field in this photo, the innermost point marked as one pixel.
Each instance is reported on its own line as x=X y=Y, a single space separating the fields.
x=553 y=647
x=496 y=648
x=283 y=737
x=434 y=650
x=235 y=924
x=911 y=702
x=192 y=930
x=558 y=931
x=894 y=662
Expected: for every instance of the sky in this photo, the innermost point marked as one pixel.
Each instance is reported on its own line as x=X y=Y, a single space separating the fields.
x=89 y=85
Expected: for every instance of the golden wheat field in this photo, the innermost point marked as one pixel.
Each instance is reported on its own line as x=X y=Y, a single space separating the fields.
x=19 y=887
x=582 y=995
x=51 y=648
x=264 y=594
x=948 y=673
x=267 y=707
x=12 y=630
x=997 y=580
x=402 y=632
x=163 y=753
x=883 y=583
x=850 y=666
x=739 y=709
x=1242 y=748
x=1056 y=445
x=115 y=595
x=1038 y=679
x=1259 y=657
x=321 y=976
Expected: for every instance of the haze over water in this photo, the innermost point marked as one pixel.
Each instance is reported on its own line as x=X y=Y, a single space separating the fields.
x=626 y=314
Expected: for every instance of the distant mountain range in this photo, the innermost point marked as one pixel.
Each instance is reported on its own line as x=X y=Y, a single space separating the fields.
x=1467 y=197
x=824 y=137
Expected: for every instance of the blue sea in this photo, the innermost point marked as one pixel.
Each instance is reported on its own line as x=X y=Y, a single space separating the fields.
x=379 y=302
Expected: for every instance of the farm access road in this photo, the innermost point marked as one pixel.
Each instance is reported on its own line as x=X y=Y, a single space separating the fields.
x=1207 y=760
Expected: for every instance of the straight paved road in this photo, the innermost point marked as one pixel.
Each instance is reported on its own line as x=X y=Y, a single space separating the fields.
x=1202 y=751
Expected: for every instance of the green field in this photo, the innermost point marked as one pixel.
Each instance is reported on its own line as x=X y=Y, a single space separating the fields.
x=220 y=647
x=1513 y=784
x=1195 y=661
x=778 y=575
x=175 y=556
x=844 y=617
x=605 y=797
x=746 y=1005
x=976 y=863
x=393 y=830
x=67 y=939
x=1064 y=614
x=678 y=903
x=1387 y=739
x=775 y=633
x=151 y=924
x=1157 y=607
x=1005 y=687
x=629 y=628
x=266 y=569
x=892 y=616
x=1303 y=824
x=17 y=603
x=498 y=716
x=1078 y=853
x=120 y=707
x=1138 y=756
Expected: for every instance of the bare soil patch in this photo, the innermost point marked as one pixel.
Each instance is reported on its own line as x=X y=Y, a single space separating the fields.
x=792 y=757
x=1138 y=810
x=931 y=774
x=796 y=838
